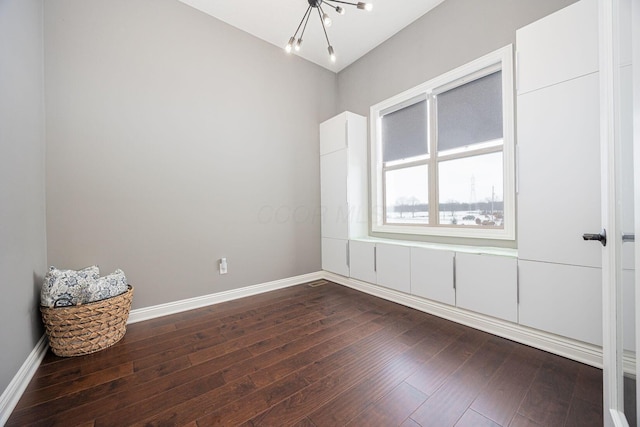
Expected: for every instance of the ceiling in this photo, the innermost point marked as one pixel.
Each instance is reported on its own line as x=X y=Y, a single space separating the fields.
x=352 y=35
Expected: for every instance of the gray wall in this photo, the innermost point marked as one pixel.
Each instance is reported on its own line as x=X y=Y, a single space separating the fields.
x=174 y=139
x=22 y=198
x=452 y=34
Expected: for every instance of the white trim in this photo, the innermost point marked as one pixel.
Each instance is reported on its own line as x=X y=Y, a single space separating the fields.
x=20 y=381
x=146 y=313
x=480 y=250
x=635 y=46
x=618 y=418
x=613 y=387
x=562 y=346
x=484 y=65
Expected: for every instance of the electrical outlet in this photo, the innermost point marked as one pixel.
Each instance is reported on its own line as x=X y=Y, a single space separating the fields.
x=222 y=266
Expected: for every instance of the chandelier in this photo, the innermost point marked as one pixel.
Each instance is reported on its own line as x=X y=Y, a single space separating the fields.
x=325 y=20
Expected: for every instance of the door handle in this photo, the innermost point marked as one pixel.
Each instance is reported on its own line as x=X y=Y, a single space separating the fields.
x=602 y=237
x=348 y=256
x=628 y=237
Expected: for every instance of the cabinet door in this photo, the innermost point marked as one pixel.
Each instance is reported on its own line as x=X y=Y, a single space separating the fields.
x=393 y=267
x=559 y=173
x=562 y=299
x=333 y=195
x=487 y=284
x=362 y=261
x=559 y=47
x=335 y=253
x=432 y=275
x=333 y=134
x=358 y=183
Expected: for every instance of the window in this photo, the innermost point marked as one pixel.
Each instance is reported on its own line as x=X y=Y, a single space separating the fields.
x=442 y=154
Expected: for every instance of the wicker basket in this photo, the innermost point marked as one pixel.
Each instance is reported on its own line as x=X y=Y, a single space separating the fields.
x=87 y=328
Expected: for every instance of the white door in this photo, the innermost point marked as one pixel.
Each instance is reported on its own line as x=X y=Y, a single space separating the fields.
x=620 y=140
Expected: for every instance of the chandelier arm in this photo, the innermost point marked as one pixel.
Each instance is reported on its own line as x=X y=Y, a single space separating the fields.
x=300 y=24
x=307 y=15
x=340 y=1
x=323 y=14
x=324 y=28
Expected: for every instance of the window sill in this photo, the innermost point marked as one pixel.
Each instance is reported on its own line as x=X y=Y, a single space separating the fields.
x=480 y=250
x=508 y=233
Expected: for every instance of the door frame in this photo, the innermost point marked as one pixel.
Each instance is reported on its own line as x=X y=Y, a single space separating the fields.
x=609 y=42
x=613 y=402
x=635 y=76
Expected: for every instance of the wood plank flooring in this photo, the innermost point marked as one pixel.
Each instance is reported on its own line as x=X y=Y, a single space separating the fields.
x=311 y=356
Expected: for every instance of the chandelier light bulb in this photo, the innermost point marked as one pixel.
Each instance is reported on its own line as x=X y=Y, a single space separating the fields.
x=315 y=6
x=289 y=45
x=327 y=20
x=332 y=54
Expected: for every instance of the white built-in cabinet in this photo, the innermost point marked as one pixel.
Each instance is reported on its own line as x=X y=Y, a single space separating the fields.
x=432 y=274
x=333 y=194
x=482 y=283
x=393 y=266
x=559 y=173
x=558 y=47
x=552 y=282
x=362 y=260
x=487 y=284
x=343 y=177
x=562 y=299
x=335 y=255
x=382 y=264
x=559 y=191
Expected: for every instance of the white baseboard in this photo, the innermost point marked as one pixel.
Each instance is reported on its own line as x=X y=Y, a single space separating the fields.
x=146 y=313
x=20 y=381
x=566 y=347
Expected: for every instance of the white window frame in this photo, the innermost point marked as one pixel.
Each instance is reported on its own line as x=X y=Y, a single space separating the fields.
x=501 y=59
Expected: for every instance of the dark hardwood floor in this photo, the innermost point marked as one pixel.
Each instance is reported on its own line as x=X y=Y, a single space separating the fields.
x=311 y=356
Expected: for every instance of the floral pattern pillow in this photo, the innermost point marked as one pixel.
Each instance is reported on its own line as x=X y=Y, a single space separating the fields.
x=108 y=286
x=63 y=288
